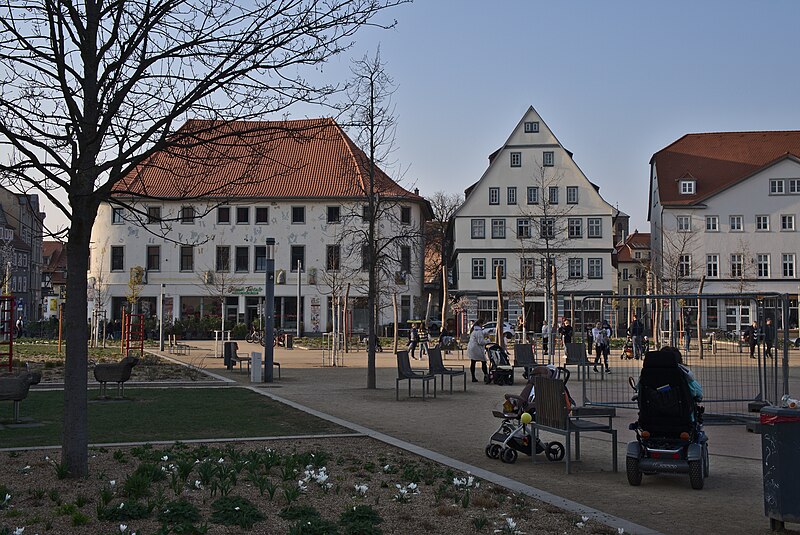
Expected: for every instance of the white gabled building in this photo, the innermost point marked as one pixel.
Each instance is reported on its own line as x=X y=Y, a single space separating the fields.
x=533 y=198
x=196 y=220
x=725 y=206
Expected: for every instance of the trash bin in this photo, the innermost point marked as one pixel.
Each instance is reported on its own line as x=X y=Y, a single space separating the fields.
x=780 y=436
x=289 y=341
x=256 y=368
x=228 y=352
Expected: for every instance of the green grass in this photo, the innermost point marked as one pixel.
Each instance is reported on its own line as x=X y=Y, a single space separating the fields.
x=169 y=414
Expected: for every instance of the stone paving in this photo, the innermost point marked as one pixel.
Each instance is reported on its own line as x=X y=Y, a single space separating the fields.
x=458 y=426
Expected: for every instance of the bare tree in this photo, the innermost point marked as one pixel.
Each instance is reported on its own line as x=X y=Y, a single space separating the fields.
x=678 y=272
x=90 y=91
x=444 y=206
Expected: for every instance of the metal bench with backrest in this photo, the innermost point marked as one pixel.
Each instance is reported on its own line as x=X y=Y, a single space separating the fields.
x=553 y=416
x=524 y=358
x=406 y=373
x=437 y=367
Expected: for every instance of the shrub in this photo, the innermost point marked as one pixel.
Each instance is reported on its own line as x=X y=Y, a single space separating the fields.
x=235 y=511
x=179 y=512
x=314 y=526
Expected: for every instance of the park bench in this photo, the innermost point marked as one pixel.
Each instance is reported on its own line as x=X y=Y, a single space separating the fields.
x=553 y=416
x=118 y=372
x=437 y=367
x=15 y=388
x=406 y=373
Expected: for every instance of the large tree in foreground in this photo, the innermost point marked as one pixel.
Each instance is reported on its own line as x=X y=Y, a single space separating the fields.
x=90 y=89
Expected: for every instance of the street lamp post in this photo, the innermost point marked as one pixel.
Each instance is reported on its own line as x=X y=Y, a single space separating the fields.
x=161 y=319
x=269 y=312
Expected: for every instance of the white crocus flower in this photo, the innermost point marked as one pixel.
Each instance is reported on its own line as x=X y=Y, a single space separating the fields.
x=122 y=528
x=18 y=531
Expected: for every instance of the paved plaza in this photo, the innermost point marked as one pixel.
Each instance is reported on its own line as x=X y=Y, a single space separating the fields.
x=458 y=426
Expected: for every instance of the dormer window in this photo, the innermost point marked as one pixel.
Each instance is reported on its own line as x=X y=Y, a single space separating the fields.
x=687 y=187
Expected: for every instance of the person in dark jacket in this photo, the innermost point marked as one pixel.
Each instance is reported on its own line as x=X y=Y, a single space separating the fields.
x=769 y=337
x=565 y=331
x=636 y=330
x=751 y=337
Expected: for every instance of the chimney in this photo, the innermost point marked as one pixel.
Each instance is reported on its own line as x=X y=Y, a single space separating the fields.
x=416 y=191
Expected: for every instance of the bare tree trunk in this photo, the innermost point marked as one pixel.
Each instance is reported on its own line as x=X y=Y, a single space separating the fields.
x=346 y=302
x=394 y=310
x=501 y=341
x=699 y=315
x=428 y=311
x=444 y=297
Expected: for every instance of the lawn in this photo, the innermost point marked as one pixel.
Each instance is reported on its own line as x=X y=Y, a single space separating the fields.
x=163 y=414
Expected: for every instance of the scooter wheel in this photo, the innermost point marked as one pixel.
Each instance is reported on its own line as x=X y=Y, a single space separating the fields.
x=508 y=455
x=554 y=451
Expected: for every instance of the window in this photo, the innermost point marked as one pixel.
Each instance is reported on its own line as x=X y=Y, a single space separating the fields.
x=262 y=215
x=736 y=223
x=223 y=258
x=405 y=215
x=153 y=215
x=334 y=214
x=595 y=268
x=787 y=259
x=223 y=215
x=776 y=187
x=516 y=159
x=298 y=214
x=762 y=265
x=787 y=222
x=187 y=258
x=478 y=268
x=187 y=215
x=242 y=215
x=498 y=228
x=552 y=194
x=572 y=194
x=494 y=195
x=117 y=258
x=712 y=223
x=624 y=274
x=684 y=223
x=332 y=258
x=533 y=195
x=684 y=265
x=575 y=227
x=116 y=216
x=405 y=258
x=260 y=253
x=364 y=258
x=501 y=263
x=687 y=187
x=737 y=265
x=531 y=127
x=712 y=265
x=762 y=222
x=523 y=228
x=794 y=185
x=547 y=228
x=153 y=258
x=242 y=259
x=575 y=268
x=478 y=227
x=594 y=227
x=365 y=213
x=511 y=195
x=297 y=254
x=526 y=268
x=548 y=159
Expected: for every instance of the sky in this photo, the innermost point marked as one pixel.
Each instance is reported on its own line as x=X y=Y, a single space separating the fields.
x=615 y=81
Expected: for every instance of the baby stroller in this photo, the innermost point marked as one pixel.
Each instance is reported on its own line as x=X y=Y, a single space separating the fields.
x=669 y=432
x=627 y=349
x=513 y=435
x=500 y=370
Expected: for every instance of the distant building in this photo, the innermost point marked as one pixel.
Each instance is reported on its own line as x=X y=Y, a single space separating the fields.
x=632 y=260
x=725 y=206
x=54 y=277
x=533 y=201
x=304 y=184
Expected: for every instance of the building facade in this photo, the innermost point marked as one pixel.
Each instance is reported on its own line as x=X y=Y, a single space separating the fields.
x=532 y=207
x=205 y=248
x=54 y=277
x=632 y=260
x=724 y=207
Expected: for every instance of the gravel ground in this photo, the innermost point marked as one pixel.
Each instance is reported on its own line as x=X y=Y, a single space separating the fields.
x=42 y=503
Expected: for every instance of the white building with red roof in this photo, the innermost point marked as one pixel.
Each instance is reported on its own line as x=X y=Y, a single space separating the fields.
x=196 y=218
x=725 y=206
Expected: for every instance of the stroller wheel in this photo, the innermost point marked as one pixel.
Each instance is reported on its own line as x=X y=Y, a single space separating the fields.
x=554 y=451
x=493 y=451
x=508 y=455
x=510 y=380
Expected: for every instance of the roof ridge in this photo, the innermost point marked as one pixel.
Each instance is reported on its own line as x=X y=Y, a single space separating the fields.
x=348 y=143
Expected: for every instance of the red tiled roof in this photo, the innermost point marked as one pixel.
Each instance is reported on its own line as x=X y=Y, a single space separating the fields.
x=55 y=254
x=637 y=240
x=718 y=160
x=242 y=159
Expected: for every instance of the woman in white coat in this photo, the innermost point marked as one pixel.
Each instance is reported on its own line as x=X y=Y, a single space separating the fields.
x=475 y=350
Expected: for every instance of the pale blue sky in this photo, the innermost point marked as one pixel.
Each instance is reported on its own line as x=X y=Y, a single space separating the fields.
x=615 y=81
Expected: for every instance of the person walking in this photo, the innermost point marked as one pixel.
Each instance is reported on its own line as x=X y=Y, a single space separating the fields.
x=475 y=350
x=751 y=337
x=769 y=337
x=636 y=330
x=545 y=337
x=565 y=332
x=423 y=342
x=413 y=340
x=601 y=336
